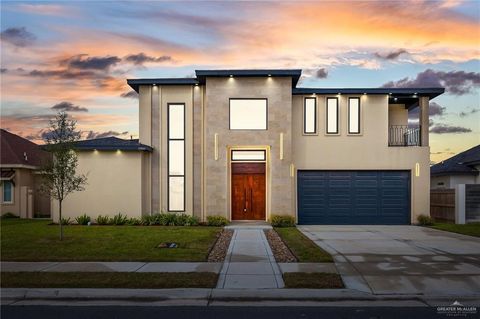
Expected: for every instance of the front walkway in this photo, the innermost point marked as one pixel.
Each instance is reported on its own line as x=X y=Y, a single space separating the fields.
x=250 y=262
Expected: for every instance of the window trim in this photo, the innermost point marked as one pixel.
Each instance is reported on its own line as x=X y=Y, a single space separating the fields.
x=359 y=116
x=247 y=129
x=315 y=130
x=248 y=160
x=326 y=116
x=184 y=156
x=12 y=193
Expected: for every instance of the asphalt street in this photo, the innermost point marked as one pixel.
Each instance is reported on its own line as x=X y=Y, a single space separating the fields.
x=230 y=312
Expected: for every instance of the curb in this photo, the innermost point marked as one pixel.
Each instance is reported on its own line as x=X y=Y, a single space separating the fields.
x=52 y=296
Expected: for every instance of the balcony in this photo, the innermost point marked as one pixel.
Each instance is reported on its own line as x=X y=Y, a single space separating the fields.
x=403 y=135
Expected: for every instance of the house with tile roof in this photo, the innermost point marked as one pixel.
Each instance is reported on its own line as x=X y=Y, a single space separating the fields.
x=20 y=162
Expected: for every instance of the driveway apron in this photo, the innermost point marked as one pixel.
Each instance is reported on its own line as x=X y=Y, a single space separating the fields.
x=402 y=259
x=249 y=263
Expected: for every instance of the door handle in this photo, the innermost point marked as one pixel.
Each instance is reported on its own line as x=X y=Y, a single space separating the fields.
x=245 y=200
x=251 y=199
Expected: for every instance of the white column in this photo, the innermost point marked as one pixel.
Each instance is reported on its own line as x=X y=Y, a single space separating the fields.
x=460 y=204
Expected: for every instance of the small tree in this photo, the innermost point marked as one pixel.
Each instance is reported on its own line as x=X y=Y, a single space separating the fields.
x=59 y=174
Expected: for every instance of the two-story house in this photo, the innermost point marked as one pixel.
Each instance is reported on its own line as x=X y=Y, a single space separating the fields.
x=248 y=144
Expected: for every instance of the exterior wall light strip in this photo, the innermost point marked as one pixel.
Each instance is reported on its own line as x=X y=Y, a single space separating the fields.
x=417 y=169
x=292 y=170
x=281 y=146
x=216 y=146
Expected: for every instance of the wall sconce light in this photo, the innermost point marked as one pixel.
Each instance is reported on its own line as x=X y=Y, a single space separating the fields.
x=417 y=169
x=281 y=146
x=216 y=146
x=292 y=170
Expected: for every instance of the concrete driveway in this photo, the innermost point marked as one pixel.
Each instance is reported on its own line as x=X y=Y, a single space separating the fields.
x=402 y=259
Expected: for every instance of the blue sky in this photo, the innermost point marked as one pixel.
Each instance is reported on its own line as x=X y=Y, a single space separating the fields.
x=77 y=55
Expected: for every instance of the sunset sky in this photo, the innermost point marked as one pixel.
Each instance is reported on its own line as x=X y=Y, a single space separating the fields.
x=76 y=56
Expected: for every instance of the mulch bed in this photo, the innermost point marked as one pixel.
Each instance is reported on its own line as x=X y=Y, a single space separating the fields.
x=220 y=248
x=280 y=251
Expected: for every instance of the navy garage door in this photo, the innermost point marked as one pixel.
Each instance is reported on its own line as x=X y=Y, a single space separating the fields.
x=353 y=197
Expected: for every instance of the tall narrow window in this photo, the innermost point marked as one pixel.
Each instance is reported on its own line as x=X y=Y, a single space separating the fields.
x=310 y=115
x=332 y=115
x=176 y=157
x=7 y=192
x=354 y=115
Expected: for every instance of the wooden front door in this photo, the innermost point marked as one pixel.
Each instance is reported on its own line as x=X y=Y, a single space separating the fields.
x=248 y=191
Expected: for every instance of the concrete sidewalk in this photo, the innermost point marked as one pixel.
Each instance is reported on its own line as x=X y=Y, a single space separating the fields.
x=97 y=266
x=250 y=262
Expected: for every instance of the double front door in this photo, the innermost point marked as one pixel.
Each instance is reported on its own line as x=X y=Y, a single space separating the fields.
x=248 y=191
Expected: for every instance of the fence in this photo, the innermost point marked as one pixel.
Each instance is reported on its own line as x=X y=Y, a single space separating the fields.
x=442 y=204
x=472 y=202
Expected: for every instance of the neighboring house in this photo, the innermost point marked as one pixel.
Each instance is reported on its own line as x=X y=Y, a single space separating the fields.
x=20 y=161
x=248 y=144
x=462 y=168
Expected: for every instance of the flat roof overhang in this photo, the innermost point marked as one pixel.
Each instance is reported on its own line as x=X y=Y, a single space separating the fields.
x=293 y=73
x=135 y=83
x=407 y=96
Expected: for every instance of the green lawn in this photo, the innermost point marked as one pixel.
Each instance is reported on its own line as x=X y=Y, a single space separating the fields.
x=303 y=248
x=316 y=280
x=108 y=280
x=472 y=229
x=35 y=240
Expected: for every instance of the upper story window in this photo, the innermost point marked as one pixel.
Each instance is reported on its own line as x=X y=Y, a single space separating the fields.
x=332 y=115
x=248 y=114
x=7 y=192
x=354 y=115
x=310 y=115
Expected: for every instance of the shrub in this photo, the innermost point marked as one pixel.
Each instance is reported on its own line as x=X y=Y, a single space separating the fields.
x=118 y=219
x=134 y=221
x=83 y=219
x=181 y=220
x=8 y=215
x=65 y=221
x=192 y=221
x=216 y=221
x=282 y=221
x=424 y=220
x=167 y=219
x=146 y=220
x=103 y=220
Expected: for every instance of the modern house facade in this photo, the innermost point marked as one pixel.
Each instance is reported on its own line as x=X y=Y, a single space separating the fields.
x=249 y=144
x=20 y=165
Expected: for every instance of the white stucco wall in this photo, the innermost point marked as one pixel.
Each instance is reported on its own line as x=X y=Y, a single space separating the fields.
x=114 y=185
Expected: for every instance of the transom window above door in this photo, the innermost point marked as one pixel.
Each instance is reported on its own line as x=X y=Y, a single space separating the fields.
x=248 y=155
x=248 y=114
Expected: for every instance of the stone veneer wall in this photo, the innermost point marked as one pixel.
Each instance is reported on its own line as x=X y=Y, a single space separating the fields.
x=278 y=91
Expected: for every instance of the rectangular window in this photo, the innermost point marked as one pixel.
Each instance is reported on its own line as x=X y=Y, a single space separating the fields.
x=176 y=157
x=7 y=192
x=310 y=115
x=248 y=114
x=332 y=115
x=354 y=115
x=248 y=155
